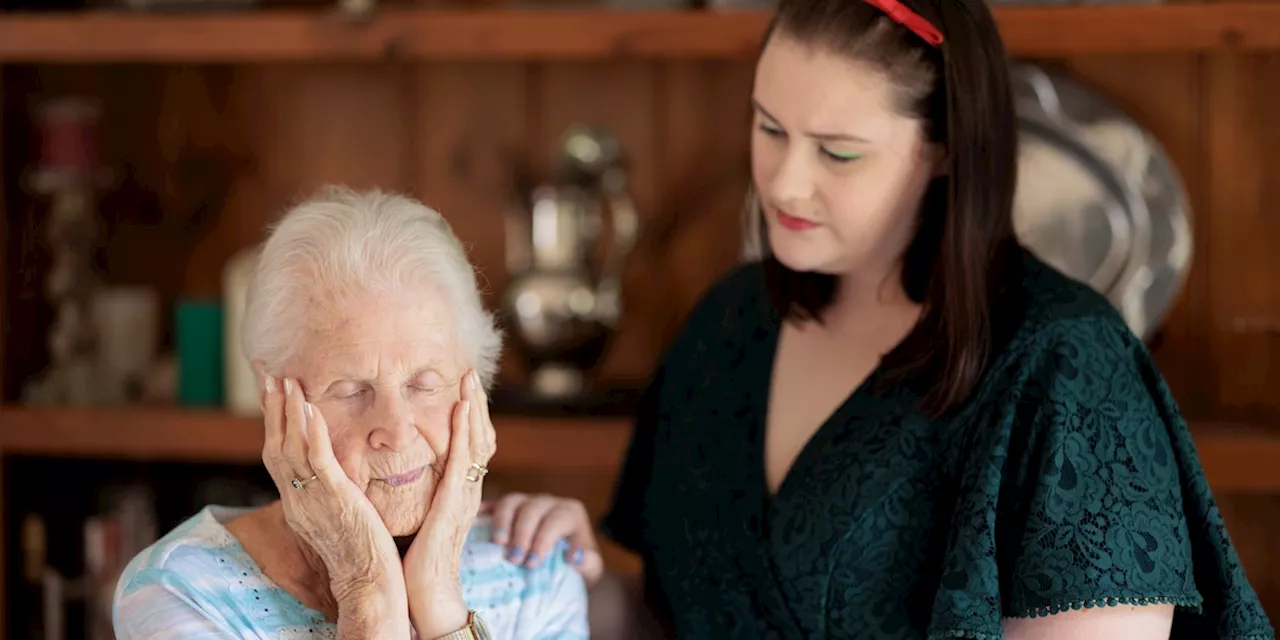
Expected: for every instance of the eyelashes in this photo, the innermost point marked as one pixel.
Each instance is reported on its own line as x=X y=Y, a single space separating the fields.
x=841 y=157
x=836 y=156
x=361 y=394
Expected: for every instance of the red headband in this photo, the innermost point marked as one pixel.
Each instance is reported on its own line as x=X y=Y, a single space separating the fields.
x=900 y=14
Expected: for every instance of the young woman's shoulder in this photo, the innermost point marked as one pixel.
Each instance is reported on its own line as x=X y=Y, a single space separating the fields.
x=1052 y=302
x=735 y=306
x=1080 y=485
x=736 y=296
x=1048 y=323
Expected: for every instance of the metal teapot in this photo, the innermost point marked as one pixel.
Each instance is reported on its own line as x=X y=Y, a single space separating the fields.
x=563 y=302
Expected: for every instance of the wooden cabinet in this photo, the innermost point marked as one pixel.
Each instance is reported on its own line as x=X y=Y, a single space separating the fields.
x=219 y=121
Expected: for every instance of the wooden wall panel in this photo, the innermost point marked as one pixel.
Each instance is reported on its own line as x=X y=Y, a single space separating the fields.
x=4 y=330
x=1244 y=306
x=468 y=128
x=705 y=165
x=178 y=149
x=5 y=270
x=301 y=127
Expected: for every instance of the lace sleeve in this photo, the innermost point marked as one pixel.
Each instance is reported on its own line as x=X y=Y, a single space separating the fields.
x=1092 y=507
x=1082 y=489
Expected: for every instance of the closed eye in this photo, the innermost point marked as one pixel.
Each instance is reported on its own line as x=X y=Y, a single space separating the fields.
x=835 y=156
x=772 y=131
x=428 y=382
x=354 y=395
x=840 y=156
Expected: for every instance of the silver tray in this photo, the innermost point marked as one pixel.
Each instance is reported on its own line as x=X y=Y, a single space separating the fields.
x=1098 y=198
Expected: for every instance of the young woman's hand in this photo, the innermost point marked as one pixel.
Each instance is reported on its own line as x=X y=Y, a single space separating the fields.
x=530 y=527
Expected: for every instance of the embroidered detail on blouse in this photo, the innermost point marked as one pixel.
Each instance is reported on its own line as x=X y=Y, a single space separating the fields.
x=1093 y=603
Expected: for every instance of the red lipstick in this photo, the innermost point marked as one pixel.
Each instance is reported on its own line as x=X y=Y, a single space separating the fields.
x=793 y=223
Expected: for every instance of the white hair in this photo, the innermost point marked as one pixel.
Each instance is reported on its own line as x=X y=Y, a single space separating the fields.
x=341 y=247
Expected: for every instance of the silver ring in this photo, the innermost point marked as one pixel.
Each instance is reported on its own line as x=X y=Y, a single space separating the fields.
x=299 y=483
x=476 y=472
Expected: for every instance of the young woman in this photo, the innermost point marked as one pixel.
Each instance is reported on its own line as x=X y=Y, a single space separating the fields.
x=899 y=423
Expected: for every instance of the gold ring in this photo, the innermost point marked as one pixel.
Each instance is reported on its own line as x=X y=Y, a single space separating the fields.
x=476 y=472
x=299 y=483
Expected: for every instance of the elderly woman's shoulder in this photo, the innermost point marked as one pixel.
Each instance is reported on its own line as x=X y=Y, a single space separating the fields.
x=199 y=543
x=196 y=578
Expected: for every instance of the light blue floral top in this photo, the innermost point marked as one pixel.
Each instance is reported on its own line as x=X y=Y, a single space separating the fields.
x=198 y=583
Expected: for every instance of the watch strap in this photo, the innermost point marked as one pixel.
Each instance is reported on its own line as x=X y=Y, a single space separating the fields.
x=469 y=632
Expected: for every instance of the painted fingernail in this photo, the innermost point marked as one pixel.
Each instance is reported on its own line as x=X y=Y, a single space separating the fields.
x=516 y=554
x=466 y=407
x=533 y=559
x=308 y=408
x=475 y=380
x=269 y=384
x=288 y=388
x=578 y=556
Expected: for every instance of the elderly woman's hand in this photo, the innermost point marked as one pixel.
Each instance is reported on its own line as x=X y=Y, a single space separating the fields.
x=333 y=516
x=436 y=604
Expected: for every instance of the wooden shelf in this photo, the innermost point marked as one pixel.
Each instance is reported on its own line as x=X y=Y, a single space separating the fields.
x=1239 y=458
x=525 y=444
x=581 y=33
x=1236 y=458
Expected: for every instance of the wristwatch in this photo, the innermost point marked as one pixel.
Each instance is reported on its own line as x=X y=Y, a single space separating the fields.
x=475 y=630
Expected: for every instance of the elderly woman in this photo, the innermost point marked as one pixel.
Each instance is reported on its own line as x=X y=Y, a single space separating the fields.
x=374 y=351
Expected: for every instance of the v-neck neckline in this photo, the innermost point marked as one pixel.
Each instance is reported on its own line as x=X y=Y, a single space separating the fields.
x=758 y=559
x=842 y=414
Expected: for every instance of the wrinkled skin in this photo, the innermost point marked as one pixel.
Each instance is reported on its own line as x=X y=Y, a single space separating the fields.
x=381 y=408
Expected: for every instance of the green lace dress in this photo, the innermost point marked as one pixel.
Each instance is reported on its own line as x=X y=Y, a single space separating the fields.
x=1068 y=481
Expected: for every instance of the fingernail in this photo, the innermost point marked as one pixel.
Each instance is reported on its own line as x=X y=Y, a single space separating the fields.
x=578 y=556
x=466 y=407
x=516 y=554
x=287 y=387
x=308 y=408
x=269 y=384
x=533 y=558
x=475 y=380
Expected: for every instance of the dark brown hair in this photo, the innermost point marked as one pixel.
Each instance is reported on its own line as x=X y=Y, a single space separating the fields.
x=960 y=259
